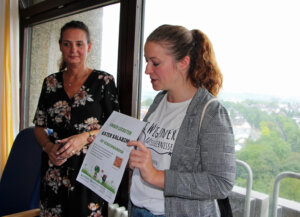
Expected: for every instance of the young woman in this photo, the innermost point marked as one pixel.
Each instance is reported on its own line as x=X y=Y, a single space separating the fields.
x=180 y=168
x=74 y=103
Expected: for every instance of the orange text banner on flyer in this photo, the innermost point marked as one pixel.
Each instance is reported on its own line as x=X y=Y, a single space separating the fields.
x=105 y=161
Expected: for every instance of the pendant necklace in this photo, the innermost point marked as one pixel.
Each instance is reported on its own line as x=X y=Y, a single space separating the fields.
x=70 y=84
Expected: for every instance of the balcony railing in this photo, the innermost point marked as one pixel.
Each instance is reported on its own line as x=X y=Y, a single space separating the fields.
x=249 y=186
x=278 y=178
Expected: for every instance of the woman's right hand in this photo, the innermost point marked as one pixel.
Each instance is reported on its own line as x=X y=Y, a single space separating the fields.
x=141 y=158
x=51 y=150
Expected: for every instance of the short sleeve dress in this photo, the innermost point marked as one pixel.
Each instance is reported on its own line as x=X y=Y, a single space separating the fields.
x=61 y=194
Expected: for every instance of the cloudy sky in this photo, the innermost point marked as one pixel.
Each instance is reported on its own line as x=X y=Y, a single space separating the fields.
x=257 y=42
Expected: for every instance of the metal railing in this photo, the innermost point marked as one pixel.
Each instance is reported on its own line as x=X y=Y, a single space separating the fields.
x=278 y=178
x=249 y=187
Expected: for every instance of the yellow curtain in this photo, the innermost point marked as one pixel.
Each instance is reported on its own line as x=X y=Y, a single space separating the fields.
x=7 y=121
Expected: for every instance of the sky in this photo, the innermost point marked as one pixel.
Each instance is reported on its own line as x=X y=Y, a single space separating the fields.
x=256 y=42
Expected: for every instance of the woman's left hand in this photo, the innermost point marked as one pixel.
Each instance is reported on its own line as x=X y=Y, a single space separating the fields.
x=73 y=144
x=141 y=158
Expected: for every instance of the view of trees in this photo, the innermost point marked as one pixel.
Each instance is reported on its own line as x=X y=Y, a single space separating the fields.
x=276 y=150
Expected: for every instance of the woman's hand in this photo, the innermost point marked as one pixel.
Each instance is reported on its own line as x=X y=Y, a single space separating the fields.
x=141 y=158
x=48 y=147
x=71 y=145
x=51 y=149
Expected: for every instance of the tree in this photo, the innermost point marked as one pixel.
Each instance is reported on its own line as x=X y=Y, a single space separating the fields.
x=97 y=170
x=277 y=150
x=263 y=162
x=291 y=131
x=290 y=189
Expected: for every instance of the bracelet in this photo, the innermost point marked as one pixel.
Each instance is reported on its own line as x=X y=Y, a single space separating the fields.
x=91 y=137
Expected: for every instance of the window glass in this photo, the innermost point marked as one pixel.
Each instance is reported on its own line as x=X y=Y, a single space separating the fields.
x=45 y=57
x=257 y=48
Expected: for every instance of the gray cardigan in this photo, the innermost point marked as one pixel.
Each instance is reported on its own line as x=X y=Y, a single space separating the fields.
x=202 y=165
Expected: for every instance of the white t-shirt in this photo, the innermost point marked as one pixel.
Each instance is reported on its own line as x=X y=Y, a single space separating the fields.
x=159 y=136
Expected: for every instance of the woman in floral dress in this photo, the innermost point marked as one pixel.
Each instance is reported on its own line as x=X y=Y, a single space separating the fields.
x=73 y=105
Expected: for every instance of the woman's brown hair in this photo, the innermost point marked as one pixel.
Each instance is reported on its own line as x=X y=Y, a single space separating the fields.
x=72 y=25
x=181 y=42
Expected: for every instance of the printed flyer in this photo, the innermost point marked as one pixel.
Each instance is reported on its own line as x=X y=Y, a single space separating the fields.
x=104 y=164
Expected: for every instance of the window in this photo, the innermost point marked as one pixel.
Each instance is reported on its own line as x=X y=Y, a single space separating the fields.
x=257 y=48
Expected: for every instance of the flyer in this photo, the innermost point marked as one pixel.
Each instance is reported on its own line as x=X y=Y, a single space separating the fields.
x=106 y=159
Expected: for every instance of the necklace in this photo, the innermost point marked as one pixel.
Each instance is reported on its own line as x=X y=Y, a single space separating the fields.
x=70 y=84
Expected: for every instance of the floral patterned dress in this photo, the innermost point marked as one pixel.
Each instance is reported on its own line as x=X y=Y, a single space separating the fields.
x=61 y=194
